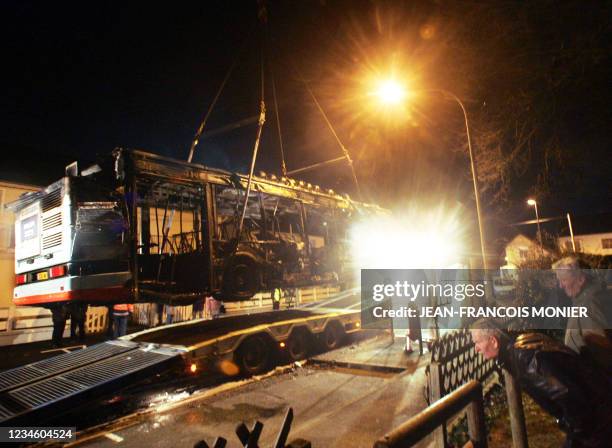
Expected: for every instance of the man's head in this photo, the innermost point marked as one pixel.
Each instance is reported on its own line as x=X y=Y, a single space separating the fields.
x=570 y=276
x=486 y=338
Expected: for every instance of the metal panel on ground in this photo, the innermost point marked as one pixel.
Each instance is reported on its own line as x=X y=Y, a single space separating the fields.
x=21 y=376
x=55 y=393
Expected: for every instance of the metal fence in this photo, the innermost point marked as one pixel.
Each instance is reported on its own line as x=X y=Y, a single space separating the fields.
x=147 y=313
x=454 y=362
x=19 y=325
x=418 y=427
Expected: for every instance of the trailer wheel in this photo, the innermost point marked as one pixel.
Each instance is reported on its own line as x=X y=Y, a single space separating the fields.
x=254 y=355
x=240 y=279
x=298 y=344
x=332 y=336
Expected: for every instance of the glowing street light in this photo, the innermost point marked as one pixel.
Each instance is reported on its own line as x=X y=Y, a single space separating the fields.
x=390 y=92
x=534 y=204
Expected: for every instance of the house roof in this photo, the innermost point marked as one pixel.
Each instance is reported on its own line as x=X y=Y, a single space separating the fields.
x=558 y=226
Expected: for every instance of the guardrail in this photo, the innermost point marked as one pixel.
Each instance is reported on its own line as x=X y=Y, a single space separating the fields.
x=421 y=425
x=146 y=313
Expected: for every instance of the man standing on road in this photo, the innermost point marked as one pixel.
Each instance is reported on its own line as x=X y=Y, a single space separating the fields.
x=78 y=316
x=558 y=379
x=121 y=312
x=277 y=294
x=59 y=315
x=212 y=307
x=588 y=335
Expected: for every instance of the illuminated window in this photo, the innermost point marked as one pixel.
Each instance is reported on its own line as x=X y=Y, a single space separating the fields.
x=606 y=243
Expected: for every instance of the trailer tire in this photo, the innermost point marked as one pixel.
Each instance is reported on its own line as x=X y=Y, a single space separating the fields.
x=254 y=355
x=332 y=336
x=298 y=344
x=241 y=279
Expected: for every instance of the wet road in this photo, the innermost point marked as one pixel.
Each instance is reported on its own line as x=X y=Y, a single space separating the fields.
x=170 y=386
x=333 y=406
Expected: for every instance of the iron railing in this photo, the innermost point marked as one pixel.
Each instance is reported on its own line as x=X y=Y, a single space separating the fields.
x=418 y=427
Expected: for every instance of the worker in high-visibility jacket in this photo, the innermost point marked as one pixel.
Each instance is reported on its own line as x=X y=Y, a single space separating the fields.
x=276 y=298
x=121 y=312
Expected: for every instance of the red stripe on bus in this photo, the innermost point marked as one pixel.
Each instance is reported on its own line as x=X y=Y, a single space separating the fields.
x=110 y=294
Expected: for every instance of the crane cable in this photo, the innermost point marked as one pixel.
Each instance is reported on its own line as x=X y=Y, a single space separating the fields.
x=198 y=134
x=331 y=128
x=274 y=96
x=262 y=120
x=278 y=125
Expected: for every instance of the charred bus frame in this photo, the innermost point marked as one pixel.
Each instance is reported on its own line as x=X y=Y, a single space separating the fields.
x=179 y=230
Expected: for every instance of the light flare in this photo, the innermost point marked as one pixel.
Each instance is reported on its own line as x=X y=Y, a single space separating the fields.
x=410 y=240
x=390 y=92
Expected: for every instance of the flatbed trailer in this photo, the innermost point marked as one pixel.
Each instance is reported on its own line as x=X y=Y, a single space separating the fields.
x=246 y=344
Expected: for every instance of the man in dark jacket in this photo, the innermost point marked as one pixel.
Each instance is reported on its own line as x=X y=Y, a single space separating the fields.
x=59 y=315
x=557 y=378
x=78 y=318
x=588 y=335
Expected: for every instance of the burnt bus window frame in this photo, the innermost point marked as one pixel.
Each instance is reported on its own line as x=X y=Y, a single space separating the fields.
x=170 y=237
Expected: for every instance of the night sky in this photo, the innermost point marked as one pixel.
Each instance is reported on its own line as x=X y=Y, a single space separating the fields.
x=81 y=78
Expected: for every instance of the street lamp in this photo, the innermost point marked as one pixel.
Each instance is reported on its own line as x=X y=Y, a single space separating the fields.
x=391 y=92
x=534 y=204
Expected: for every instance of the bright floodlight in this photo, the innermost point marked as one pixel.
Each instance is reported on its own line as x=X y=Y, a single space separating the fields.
x=531 y=202
x=390 y=91
x=426 y=240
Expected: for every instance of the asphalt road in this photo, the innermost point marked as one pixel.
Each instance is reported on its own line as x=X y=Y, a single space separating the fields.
x=333 y=406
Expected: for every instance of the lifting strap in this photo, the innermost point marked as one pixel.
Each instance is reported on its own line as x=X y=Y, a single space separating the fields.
x=345 y=152
x=198 y=134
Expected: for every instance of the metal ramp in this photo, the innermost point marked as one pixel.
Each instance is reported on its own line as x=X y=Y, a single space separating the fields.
x=47 y=385
x=20 y=376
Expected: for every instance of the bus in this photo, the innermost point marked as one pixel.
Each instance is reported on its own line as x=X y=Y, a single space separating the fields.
x=139 y=227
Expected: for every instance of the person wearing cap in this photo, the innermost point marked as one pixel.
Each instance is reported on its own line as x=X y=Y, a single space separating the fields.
x=588 y=335
x=574 y=391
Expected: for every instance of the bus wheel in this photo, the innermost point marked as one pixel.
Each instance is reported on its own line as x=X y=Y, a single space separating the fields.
x=254 y=355
x=332 y=336
x=240 y=279
x=298 y=344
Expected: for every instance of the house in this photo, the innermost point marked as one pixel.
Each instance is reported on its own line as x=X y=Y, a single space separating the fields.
x=595 y=243
x=8 y=192
x=592 y=235
x=522 y=249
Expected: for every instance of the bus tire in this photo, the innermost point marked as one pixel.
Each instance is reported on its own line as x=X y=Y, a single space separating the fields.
x=254 y=355
x=332 y=336
x=241 y=279
x=298 y=344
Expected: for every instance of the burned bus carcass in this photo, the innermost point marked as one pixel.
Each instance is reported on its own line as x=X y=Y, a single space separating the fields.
x=141 y=227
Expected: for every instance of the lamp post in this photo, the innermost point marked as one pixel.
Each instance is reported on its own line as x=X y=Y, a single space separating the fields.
x=534 y=204
x=392 y=92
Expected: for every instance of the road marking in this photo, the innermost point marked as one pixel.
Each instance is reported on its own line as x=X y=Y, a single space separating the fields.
x=114 y=437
